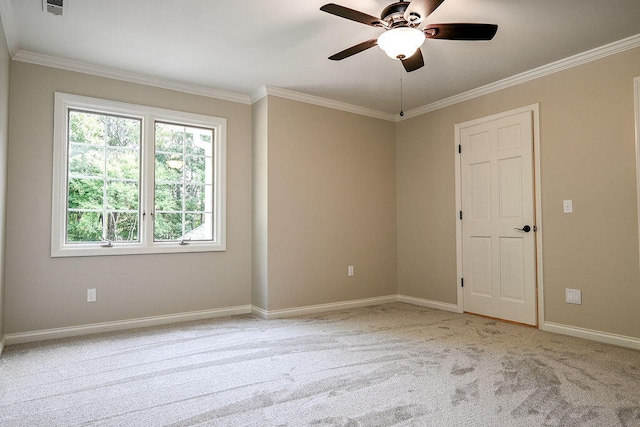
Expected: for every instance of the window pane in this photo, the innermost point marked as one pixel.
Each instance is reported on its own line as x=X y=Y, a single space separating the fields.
x=122 y=195
x=168 y=197
x=86 y=160
x=123 y=163
x=194 y=198
x=183 y=190
x=169 y=138
x=169 y=167
x=104 y=160
x=194 y=170
x=200 y=141
x=84 y=227
x=198 y=226
x=122 y=132
x=193 y=222
x=168 y=226
x=85 y=127
x=85 y=193
x=122 y=226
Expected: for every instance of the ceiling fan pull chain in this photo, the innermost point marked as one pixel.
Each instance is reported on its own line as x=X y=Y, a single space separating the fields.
x=401 y=100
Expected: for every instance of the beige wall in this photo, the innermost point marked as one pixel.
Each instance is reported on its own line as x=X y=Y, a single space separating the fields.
x=42 y=292
x=328 y=190
x=331 y=203
x=324 y=198
x=587 y=155
x=4 y=120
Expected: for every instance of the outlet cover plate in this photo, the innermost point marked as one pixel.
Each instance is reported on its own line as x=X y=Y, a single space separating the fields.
x=573 y=296
x=567 y=206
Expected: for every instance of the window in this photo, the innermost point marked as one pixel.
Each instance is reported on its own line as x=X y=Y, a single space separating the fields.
x=131 y=179
x=183 y=183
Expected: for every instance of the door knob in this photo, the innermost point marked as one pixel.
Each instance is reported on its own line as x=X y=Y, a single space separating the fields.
x=526 y=229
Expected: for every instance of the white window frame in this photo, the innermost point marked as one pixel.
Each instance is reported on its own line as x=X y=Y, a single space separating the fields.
x=148 y=115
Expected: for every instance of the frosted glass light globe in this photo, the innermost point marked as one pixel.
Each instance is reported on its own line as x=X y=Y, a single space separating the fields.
x=401 y=43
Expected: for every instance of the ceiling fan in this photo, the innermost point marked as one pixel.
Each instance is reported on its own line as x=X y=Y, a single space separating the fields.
x=402 y=37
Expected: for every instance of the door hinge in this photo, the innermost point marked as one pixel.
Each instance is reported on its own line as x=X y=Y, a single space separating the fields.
x=462 y=282
x=460 y=214
x=459 y=148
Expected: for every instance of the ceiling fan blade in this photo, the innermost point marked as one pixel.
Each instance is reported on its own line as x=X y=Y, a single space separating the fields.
x=418 y=10
x=354 y=49
x=414 y=62
x=461 y=31
x=354 y=15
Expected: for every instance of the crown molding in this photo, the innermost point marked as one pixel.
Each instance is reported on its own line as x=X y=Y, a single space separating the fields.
x=545 y=70
x=113 y=73
x=259 y=94
x=8 y=24
x=554 y=67
x=322 y=102
x=6 y=14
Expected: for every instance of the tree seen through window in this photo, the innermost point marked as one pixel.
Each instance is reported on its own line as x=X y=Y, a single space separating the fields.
x=103 y=203
x=103 y=182
x=183 y=182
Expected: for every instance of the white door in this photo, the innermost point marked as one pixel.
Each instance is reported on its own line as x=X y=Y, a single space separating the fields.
x=498 y=254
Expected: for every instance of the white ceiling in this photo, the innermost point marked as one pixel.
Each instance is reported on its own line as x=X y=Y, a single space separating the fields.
x=242 y=45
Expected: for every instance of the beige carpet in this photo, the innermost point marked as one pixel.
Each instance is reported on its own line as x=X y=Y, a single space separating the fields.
x=392 y=364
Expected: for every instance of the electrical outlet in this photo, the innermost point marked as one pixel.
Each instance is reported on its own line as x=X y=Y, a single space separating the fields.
x=573 y=296
x=350 y=271
x=91 y=295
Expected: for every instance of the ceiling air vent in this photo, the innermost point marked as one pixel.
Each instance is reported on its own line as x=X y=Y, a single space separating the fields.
x=55 y=7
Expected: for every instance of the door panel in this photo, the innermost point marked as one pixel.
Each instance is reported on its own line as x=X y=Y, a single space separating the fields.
x=480 y=200
x=512 y=269
x=480 y=260
x=496 y=165
x=510 y=182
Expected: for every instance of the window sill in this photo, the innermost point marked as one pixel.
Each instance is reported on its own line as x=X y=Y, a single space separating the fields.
x=95 y=249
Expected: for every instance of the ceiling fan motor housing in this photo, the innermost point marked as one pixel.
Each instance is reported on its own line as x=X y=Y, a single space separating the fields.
x=394 y=15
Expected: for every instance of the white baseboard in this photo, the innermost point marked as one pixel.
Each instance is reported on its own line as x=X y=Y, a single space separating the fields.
x=605 y=337
x=429 y=303
x=2 y=341
x=321 y=308
x=46 y=334
x=142 y=322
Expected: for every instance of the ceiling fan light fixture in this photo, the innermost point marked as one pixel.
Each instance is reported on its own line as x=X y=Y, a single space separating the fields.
x=401 y=43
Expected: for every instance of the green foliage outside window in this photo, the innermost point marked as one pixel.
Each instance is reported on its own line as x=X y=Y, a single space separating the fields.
x=104 y=172
x=183 y=193
x=103 y=199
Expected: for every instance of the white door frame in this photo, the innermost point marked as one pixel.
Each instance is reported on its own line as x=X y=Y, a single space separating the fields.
x=636 y=99
x=535 y=110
